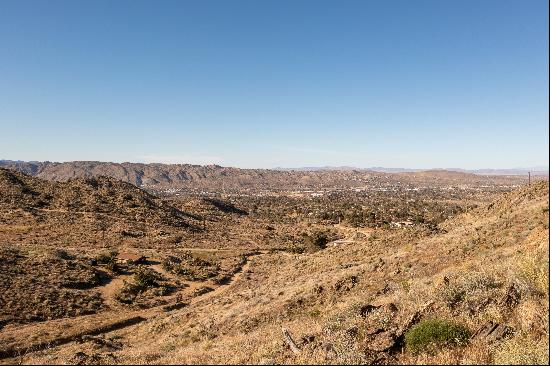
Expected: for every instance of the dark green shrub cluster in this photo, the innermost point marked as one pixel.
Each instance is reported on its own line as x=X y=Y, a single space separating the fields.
x=62 y=254
x=146 y=277
x=109 y=260
x=190 y=268
x=319 y=240
x=106 y=257
x=128 y=293
x=316 y=241
x=429 y=335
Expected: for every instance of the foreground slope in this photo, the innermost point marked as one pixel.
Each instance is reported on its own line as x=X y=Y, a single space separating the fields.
x=484 y=270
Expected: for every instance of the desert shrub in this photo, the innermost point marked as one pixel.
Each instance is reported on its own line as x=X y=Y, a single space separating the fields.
x=128 y=293
x=113 y=266
x=109 y=260
x=315 y=313
x=170 y=263
x=146 y=277
x=295 y=249
x=429 y=334
x=190 y=267
x=176 y=239
x=472 y=286
x=163 y=290
x=184 y=272
x=316 y=241
x=62 y=254
x=106 y=257
x=132 y=234
x=320 y=240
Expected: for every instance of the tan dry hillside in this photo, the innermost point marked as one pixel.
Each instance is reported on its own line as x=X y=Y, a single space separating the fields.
x=83 y=211
x=51 y=231
x=485 y=271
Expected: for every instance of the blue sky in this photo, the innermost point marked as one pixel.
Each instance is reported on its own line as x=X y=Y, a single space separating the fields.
x=276 y=83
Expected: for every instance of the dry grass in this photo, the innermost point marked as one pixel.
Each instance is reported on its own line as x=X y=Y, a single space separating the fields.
x=522 y=351
x=351 y=303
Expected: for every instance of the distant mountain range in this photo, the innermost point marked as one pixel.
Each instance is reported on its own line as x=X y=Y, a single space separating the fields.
x=535 y=171
x=215 y=178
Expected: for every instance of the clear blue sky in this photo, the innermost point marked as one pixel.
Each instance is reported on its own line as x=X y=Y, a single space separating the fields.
x=276 y=83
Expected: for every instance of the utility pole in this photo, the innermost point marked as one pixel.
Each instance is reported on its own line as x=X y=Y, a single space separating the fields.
x=529 y=178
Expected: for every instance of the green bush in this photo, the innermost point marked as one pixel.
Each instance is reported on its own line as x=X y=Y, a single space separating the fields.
x=146 y=277
x=431 y=334
x=128 y=293
x=315 y=242
x=109 y=260
x=107 y=257
x=320 y=240
x=190 y=267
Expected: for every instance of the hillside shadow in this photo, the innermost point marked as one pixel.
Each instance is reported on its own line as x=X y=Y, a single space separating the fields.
x=225 y=206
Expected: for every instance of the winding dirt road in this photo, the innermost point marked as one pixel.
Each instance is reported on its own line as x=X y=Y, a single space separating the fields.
x=54 y=333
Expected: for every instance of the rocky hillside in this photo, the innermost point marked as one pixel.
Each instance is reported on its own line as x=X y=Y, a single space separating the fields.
x=476 y=292
x=97 y=208
x=97 y=195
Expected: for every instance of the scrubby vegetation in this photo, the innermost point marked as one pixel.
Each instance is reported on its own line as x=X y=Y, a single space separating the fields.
x=431 y=335
x=109 y=260
x=145 y=277
x=460 y=282
x=317 y=241
x=38 y=286
x=190 y=267
x=143 y=280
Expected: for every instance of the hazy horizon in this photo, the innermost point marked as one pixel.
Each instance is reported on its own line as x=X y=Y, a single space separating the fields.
x=425 y=84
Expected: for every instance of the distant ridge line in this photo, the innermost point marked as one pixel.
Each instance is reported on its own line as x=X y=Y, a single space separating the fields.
x=488 y=171
x=215 y=178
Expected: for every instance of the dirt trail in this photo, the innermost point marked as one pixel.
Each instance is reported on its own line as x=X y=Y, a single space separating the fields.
x=74 y=329
x=109 y=291
x=347 y=229
x=234 y=279
x=353 y=234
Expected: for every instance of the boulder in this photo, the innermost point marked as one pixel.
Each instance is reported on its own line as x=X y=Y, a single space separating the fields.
x=491 y=332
